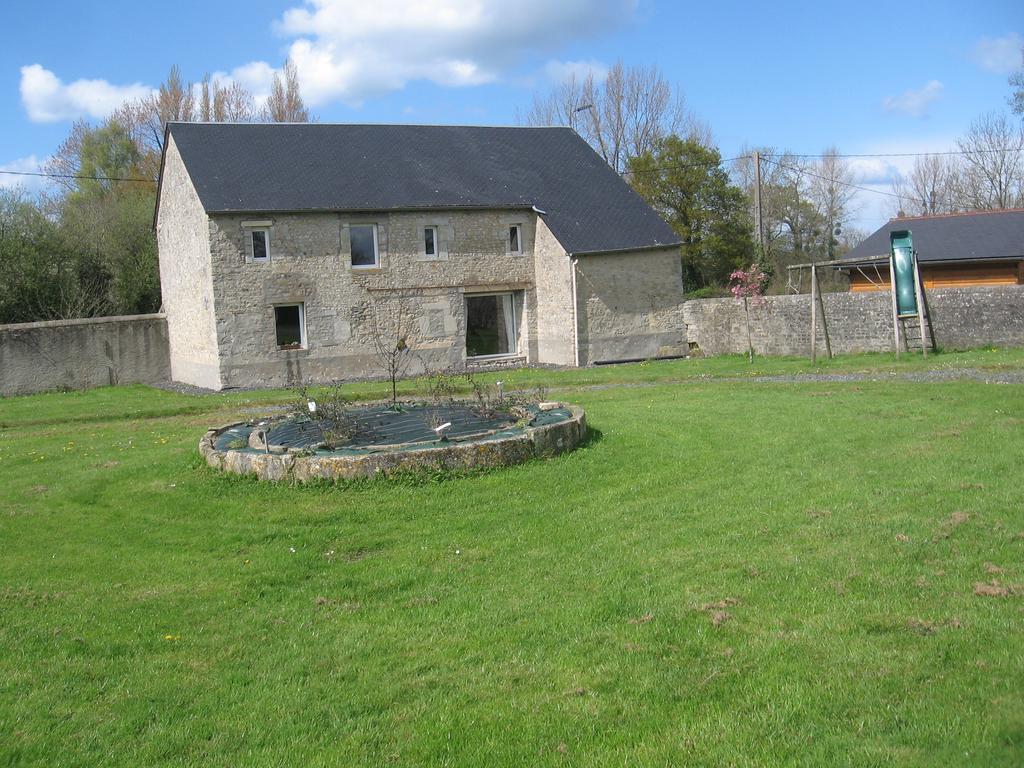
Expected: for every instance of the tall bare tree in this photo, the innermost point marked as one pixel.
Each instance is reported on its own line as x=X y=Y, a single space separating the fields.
x=285 y=104
x=929 y=188
x=992 y=166
x=175 y=99
x=1017 y=82
x=220 y=103
x=622 y=116
x=786 y=214
x=832 y=194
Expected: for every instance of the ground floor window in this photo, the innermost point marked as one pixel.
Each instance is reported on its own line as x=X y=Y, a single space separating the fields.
x=490 y=325
x=290 y=324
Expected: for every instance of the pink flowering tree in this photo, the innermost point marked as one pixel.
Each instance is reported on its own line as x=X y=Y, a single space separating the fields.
x=747 y=285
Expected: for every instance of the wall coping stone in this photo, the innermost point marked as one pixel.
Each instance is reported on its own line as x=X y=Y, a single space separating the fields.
x=80 y=321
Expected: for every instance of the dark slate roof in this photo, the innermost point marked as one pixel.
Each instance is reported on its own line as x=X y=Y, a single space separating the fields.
x=256 y=168
x=981 y=236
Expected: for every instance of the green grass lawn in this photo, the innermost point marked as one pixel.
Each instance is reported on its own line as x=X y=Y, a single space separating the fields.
x=727 y=573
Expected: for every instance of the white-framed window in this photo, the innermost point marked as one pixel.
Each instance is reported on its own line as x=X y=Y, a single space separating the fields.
x=259 y=242
x=431 y=245
x=290 y=326
x=515 y=238
x=491 y=325
x=363 y=239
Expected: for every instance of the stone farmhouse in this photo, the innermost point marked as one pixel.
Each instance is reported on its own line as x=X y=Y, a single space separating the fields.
x=281 y=246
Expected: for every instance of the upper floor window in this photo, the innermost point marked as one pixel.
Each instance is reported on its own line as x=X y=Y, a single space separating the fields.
x=515 y=238
x=364 y=246
x=260 y=244
x=430 y=242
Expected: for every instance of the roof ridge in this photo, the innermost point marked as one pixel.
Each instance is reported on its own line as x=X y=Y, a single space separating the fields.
x=365 y=125
x=956 y=214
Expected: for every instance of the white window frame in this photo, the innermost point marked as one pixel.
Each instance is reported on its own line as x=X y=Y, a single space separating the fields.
x=519 y=239
x=252 y=246
x=514 y=346
x=302 y=326
x=376 y=246
x=437 y=243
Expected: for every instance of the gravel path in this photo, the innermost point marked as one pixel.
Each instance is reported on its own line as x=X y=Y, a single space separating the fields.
x=1013 y=376
x=936 y=374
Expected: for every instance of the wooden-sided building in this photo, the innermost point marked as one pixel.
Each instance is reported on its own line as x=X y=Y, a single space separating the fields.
x=953 y=250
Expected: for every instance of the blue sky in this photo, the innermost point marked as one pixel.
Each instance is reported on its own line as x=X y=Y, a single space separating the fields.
x=866 y=77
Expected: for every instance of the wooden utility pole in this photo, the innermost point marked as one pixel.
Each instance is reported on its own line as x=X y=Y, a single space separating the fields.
x=758 y=222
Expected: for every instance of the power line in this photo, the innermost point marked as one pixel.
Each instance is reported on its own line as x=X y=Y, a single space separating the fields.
x=910 y=154
x=833 y=180
x=659 y=169
x=75 y=176
x=705 y=164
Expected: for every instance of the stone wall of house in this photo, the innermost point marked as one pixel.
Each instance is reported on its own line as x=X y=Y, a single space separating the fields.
x=555 y=313
x=630 y=306
x=76 y=354
x=183 y=239
x=310 y=263
x=857 y=322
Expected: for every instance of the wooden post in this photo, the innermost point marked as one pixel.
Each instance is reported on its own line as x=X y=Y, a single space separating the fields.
x=814 y=314
x=895 y=310
x=824 y=320
x=920 y=306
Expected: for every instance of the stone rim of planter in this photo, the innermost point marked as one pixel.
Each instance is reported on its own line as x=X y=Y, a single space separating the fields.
x=527 y=443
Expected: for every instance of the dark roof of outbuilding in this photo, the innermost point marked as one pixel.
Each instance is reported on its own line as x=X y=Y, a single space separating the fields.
x=247 y=168
x=976 y=236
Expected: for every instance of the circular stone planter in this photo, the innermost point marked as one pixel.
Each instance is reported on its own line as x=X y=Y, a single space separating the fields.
x=246 y=448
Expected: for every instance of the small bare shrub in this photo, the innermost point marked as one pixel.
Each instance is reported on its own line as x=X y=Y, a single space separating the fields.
x=331 y=412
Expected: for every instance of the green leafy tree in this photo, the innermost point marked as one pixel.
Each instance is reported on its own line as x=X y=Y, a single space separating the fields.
x=104 y=218
x=42 y=278
x=683 y=180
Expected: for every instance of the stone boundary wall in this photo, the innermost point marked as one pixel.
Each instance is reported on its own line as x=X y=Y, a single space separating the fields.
x=857 y=322
x=532 y=442
x=92 y=352
x=76 y=354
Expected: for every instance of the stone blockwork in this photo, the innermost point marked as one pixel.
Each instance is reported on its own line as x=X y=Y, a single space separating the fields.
x=75 y=354
x=310 y=263
x=186 y=281
x=857 y=322
x=629 y=306
x=530 y=442
x=555 y=310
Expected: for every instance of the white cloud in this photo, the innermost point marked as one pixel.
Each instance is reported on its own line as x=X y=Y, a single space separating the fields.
x=1001 y=55
x=23 y=164
x=47 y=99
x=914 y=102
x=563 y=71
x=878 y=173
x=351 y=50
